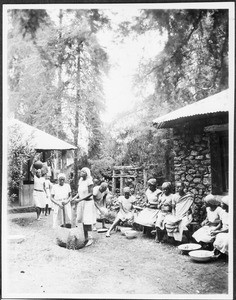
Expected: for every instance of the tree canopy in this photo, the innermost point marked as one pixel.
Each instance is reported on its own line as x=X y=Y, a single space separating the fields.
x=56 y=70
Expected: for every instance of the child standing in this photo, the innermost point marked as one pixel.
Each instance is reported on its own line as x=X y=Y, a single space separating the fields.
x=48 y=187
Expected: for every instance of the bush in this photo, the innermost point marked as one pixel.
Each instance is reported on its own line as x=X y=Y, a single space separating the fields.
x=19 y=152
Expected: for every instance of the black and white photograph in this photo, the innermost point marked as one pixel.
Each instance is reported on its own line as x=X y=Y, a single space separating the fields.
x=118 y=150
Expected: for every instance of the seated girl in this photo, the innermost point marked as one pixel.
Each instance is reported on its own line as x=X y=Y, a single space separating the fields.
x=126 y=212
x=221 y=234
x=203 y=235
x=165 y=208
x=147 y=217
x=181 y=215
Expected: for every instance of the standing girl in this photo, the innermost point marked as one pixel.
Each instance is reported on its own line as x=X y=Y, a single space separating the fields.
x=39 y=193
x=48 y=187
x=61 y=197
x=85 y=209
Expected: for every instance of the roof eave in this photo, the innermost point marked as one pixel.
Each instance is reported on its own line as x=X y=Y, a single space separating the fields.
x=175 y=122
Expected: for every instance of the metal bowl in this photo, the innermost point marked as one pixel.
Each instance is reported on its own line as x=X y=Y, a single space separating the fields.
x=124 y=229
x=185 y=248
x=201 y=255
x=131 y=234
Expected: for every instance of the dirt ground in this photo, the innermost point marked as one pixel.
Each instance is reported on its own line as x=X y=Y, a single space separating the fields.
x=110 y=267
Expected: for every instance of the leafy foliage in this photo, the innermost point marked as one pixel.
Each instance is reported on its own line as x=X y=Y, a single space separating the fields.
x=192 y=65
x=19 y=152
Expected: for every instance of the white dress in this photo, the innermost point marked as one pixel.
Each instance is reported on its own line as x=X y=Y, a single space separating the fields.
x=99 y=201
x=222 y=239
x=147 y=217
x=48 y=187
x=85 y=209
x=177 y=222
x=61 y=192
x=39 y=194
x=204 y=233
x=126 y=213
x=166 y=203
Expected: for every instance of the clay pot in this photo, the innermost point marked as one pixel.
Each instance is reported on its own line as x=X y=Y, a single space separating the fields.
x=38 y=165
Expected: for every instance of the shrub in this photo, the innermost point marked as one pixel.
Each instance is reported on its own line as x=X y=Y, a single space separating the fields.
x=19 y=152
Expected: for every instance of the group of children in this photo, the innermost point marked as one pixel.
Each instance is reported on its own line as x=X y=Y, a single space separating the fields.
x=41 y=193
x=169 y=214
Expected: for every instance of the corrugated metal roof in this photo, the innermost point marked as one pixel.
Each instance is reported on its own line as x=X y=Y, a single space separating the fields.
x=217 y=103
x=40 y=139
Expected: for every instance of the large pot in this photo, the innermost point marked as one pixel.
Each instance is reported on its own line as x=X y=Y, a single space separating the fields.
x=70 y=238
x=38 y=165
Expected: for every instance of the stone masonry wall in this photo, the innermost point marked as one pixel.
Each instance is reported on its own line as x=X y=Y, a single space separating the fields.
x=192 y=163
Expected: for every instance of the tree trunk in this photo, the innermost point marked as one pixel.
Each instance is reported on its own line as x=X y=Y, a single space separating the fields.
x=76 y=132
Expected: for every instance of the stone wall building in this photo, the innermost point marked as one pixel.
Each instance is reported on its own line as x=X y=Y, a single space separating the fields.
x=200 y=145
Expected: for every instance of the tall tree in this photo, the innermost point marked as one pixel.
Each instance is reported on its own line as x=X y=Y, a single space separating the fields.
x=193 y=63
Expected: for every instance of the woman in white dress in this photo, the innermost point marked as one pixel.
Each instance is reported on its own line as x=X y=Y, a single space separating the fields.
x=85 y=209
x=165 y=208
x=181 y=216
x=39 y=193
x=100 y=193
x=221 y=243
x=48 y=187
x=211 y=222
x=61 y=197
x=147 y=217
x=126 y=212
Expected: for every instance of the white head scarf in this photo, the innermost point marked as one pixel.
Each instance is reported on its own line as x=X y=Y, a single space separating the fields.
x=89 y=178
x=87 y=171
x=61 y=175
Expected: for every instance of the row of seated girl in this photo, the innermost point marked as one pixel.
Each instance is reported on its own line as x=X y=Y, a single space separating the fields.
x=170 y=214
x=214 y=230
x=166 y=212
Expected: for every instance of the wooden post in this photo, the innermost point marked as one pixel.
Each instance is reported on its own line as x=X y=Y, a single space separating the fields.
x=135 y=179
x=121 y=182
x=145 y=178
x=113 y=182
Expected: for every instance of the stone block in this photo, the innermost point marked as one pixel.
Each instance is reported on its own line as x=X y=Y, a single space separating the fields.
x=189 y=157
x=194 y=153
x=200 y=186
x=197 y=138
x=194 y=191
x=199 y=157
x=189 y=178
x=177 y=177
x=206 y=162
x=191 y=171
x=206 y=181
x=193 y=162
x=197 y=180
x=177 y=165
